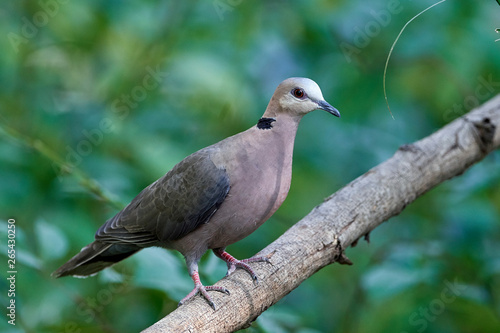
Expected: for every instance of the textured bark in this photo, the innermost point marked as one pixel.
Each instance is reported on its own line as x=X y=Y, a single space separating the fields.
x=350 y=213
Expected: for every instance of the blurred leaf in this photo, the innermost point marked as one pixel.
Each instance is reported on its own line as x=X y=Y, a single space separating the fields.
x=52 y=242
x=384 y=281
x=159 y=269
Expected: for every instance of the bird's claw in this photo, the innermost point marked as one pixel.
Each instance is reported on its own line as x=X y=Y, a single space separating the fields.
x=232 y=265
x=202 y=290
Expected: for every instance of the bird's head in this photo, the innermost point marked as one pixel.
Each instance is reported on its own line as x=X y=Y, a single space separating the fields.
x=298 y=96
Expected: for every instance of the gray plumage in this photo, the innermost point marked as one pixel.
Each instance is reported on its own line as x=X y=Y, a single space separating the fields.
x=214 y=197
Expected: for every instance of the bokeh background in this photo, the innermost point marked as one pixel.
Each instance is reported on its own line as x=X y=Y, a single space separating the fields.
x=100 y=98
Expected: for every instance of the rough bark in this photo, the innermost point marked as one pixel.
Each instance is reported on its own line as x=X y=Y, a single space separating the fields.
x=350 y=213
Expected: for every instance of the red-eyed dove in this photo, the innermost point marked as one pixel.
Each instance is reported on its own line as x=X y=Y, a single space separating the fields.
x=212 y=198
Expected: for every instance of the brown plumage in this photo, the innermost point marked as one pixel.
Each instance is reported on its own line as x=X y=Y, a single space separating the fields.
x=214 y=197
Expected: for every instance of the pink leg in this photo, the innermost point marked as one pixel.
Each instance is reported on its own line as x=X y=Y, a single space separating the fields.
x=233 y=263
x=199 y=288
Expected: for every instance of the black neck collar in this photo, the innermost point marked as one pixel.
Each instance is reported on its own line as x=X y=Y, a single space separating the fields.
x=265 y=123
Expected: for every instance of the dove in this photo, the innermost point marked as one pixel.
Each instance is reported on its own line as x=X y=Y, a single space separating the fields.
x=212 y=198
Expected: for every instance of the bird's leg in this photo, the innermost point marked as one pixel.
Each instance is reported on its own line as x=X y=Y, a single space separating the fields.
x=233 y=263
x=200 y=288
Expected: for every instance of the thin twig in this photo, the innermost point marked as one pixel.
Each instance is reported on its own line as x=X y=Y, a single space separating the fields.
x=84 y=180
x=394 y=44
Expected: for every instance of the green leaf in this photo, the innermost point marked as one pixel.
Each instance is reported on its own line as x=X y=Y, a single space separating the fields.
x=51 y=241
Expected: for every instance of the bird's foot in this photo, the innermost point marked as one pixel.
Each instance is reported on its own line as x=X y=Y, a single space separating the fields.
x=233 y=263
x=201 y=289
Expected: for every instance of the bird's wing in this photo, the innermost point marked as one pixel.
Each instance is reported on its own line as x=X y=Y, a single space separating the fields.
x=173 y=206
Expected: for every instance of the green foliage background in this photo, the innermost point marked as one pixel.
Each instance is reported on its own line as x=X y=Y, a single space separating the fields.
x=74 y=148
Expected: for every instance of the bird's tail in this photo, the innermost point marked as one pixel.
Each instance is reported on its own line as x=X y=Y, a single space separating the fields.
x=95 y=257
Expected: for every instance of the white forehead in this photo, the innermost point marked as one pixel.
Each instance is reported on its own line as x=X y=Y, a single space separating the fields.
x=310 y=87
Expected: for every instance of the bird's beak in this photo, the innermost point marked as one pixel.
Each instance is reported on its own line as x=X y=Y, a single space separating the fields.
x=324 y=105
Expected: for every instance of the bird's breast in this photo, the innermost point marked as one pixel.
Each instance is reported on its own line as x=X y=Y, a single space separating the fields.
x=260 y=177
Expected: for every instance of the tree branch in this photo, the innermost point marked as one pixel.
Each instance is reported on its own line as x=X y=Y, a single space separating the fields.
x=350 y=213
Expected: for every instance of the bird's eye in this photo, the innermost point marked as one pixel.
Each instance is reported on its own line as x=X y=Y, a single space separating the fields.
x=298 y=92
